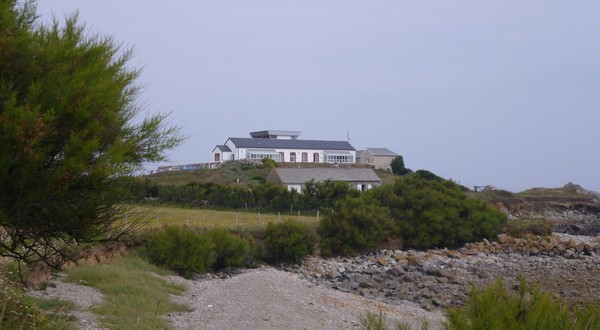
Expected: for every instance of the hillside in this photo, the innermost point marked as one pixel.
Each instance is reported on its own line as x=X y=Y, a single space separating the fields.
x=571 y=209
x=231 y=172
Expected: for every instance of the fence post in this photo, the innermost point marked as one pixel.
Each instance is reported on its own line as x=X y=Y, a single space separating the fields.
x=279 y=216
x=236 y=218
x=259 y=218
x=317 y=215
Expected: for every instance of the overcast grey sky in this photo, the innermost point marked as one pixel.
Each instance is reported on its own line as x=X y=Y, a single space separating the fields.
x=505 y=93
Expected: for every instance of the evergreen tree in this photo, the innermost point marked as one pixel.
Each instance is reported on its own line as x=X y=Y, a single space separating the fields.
x=69 y=130
x=398 y=167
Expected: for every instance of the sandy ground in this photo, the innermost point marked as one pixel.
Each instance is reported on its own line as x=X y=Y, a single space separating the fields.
x=263 y=298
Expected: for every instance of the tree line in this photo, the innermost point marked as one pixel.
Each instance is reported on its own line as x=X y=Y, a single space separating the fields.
x=260 y=196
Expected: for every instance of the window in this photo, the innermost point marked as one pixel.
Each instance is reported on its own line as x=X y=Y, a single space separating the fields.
x=217 y=157
x=316 y=157
x=260 y=154
x=305 y=157
x=338 y=157
x=292 y=157
x=281 y=156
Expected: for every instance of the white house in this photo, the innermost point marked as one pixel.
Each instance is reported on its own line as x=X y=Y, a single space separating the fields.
x=283 y=146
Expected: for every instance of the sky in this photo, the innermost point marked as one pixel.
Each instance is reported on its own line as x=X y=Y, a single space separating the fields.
x=503 y=93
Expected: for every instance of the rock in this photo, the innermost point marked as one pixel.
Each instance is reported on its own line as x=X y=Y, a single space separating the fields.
x=413 y=260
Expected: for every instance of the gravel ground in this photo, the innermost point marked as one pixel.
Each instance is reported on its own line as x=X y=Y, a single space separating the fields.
x=263 y=298
x=84 y=297
x=267 y=298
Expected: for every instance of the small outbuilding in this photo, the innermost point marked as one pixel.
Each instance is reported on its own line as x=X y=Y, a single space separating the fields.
x=362 y=179
x=376 y=157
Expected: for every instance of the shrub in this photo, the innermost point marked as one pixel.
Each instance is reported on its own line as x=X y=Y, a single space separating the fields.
x=528 y=226
x=398 y=167
x=288 y=241
x=232 y=251
x=269 y=163
x=419 y=212
x=182 y=250
x=497 y=308
x=437 y=213
x=356 y=226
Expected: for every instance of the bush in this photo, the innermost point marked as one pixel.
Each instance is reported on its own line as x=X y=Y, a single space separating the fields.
x=269 y=163
x=432 y=213
x=356 y=226
x=232 y=250
x=497 y=308
x=528 y=226
x=288 y=241
x=421 y=212
x=188 y=252
x=182 y=251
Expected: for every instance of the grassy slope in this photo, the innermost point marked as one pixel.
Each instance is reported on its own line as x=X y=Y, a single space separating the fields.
x=176 y=216
x=230 y=172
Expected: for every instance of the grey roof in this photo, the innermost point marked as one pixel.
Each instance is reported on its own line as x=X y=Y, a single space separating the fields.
x=382 y=152
x=359 y=153
x=302 y=175
x=223 y=148
x=291 y=144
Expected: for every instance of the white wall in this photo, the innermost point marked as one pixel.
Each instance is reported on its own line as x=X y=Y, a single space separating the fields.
x=296 y=187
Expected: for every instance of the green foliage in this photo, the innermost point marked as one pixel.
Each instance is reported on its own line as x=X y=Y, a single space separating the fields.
x=497 y=308
x=269 y=163
x=421 y=212
x=355 y=226
x=232 y=250
x=182 y=250
x=260 y=196
x=376 y=321
x=526 y=226
x=437 y=213
x=373 y=321
x=427 y=175
x=398 y=167
x=187 y=251
x=288 y=241
x=67 y=133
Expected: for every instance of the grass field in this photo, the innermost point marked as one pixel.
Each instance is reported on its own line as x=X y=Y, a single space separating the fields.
x=174 y=216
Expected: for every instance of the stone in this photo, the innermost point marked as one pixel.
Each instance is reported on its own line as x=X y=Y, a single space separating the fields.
x=413 y=260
